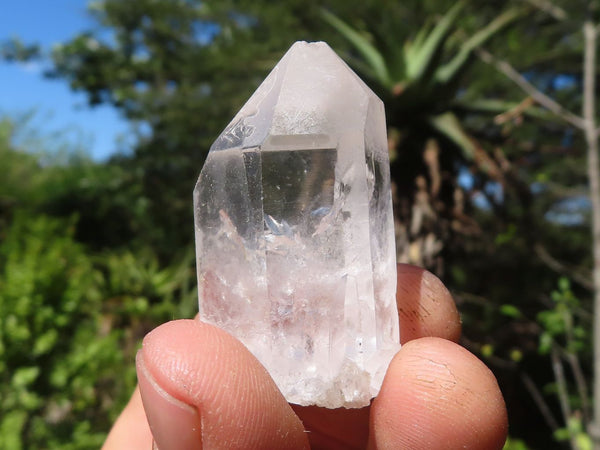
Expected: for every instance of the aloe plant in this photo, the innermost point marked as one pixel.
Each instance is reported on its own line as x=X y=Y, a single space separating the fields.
x=418 y=79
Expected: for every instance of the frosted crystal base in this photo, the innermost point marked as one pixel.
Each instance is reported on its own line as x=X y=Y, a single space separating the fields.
x=294 y=231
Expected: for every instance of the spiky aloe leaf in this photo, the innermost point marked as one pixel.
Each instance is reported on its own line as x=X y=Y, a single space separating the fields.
x=372 y=56
x=418 y=58
x=421 y=36
x=449 y=126
x=446 y=73
x=496 y=106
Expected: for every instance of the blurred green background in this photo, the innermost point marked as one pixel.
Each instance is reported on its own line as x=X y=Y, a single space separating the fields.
x=490 y=166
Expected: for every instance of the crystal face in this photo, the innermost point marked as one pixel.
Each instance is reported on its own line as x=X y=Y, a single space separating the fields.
x=294 y=231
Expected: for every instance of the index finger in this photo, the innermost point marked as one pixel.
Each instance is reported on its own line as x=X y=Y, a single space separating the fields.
x=425 y=306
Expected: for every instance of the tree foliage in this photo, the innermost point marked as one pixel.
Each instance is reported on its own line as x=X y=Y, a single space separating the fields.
x=71 y=315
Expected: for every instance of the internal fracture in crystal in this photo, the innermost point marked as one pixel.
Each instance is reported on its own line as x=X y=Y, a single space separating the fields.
x=294 y=231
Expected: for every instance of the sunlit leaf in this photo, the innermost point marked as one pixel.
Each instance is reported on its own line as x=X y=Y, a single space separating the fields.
x=449 y=125
x=374 y=58
x=510 y=311
x=448 y=71
x=419 y=56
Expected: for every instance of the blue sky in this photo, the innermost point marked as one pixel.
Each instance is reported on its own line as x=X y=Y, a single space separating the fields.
x=23 y=88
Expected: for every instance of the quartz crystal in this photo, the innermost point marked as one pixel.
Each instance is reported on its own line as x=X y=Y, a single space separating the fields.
x=294 y=231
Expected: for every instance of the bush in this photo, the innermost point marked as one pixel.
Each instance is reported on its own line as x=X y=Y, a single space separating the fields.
x=63 y=374
x=70 y=324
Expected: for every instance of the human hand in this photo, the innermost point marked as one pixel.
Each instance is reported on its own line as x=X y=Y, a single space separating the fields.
x=201 y=388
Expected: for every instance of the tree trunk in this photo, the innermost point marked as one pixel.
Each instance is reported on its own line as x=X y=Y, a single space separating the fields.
x=591 y=136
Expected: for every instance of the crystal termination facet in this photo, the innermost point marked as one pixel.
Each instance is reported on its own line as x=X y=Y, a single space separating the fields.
x=294 y=231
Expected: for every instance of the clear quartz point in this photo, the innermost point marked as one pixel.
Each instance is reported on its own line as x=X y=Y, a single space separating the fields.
x=294 y=231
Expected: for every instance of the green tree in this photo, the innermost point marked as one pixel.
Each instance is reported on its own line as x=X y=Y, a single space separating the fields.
x=578 y=40
x=72 y=314
x=518 y=166
x=181 y=69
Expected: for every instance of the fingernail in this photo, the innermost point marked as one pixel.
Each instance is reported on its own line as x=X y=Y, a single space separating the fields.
x=175 y=425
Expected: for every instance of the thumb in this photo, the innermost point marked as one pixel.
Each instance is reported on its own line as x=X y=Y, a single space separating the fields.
x=202 y=387
x=173 y=422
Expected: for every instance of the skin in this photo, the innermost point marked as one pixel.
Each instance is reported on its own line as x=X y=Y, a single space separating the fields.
x=200 y=388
